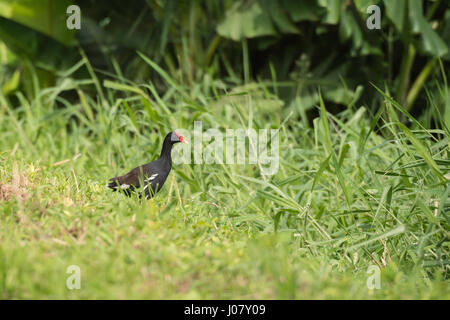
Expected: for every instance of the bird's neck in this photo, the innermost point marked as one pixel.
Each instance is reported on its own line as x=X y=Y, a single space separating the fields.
x=166 y=152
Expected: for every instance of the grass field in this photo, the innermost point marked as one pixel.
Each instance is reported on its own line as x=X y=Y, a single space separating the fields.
x=353 y=190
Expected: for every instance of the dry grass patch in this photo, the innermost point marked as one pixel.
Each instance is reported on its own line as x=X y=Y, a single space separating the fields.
x=17 y=188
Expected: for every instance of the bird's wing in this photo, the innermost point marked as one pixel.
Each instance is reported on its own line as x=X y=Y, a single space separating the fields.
x=130 y=180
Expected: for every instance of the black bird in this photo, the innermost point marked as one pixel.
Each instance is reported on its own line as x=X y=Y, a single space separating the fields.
x=151 y=175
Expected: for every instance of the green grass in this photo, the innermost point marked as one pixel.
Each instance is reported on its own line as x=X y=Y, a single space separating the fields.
x=352 y=191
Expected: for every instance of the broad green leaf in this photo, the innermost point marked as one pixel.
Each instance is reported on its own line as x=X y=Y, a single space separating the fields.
x=362 y=5
x=303 y=10
x=46 y=16
x=432 y=43
x=42 y=50
x=396 y=12
x=278 y=16
x=6 y=55
x=333 y=10
x=12 y=84
x=246 y=21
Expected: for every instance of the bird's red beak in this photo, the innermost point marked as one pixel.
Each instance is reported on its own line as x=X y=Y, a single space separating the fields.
x=181 y=138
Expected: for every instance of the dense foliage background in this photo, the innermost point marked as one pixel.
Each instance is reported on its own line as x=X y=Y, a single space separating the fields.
x=291 y=46
x=363 y=116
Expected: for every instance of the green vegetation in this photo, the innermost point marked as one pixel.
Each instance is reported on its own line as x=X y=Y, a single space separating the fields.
x=344 y=198
x=363 y=179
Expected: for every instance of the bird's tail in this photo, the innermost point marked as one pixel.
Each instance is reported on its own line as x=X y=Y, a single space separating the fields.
x=113 y=183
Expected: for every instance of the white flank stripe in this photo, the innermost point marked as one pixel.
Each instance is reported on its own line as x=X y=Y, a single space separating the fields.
x=124 y=186
x=152 y=177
